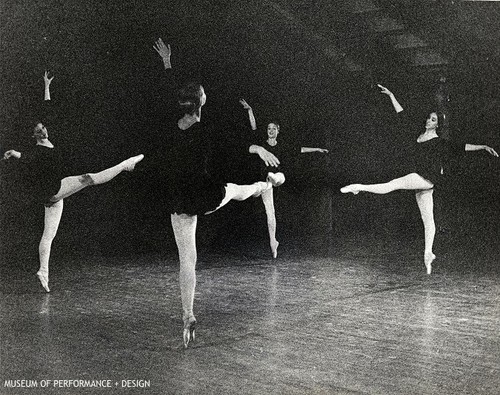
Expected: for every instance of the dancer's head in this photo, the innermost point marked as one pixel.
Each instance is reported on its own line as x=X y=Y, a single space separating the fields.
x=273 y=130
x=191 y=98
x=40 y=132
x=435 y=121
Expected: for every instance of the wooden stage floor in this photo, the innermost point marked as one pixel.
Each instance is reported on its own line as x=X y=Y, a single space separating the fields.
x=362 y=319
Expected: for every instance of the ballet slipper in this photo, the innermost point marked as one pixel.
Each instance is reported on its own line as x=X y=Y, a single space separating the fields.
x=189 y=330
x=276 y=179
x=428 y=259
x=130 y=163
x=44 y=279
x=353 y=188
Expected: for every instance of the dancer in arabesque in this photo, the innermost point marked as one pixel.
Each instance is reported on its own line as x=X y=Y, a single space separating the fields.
x=432 y=152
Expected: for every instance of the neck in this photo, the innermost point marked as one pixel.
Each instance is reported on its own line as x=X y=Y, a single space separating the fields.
x=272 y=141
x=45 y=142
x=188 y=120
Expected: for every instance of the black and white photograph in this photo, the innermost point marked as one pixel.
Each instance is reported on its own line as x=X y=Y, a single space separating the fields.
x=249 y=197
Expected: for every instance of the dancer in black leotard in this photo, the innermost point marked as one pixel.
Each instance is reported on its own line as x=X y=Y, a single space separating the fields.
x=432 y=152
x=49 y=183
x=193 y=190
x=281 y=151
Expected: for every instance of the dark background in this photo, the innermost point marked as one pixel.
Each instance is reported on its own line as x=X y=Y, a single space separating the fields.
x=292 y=61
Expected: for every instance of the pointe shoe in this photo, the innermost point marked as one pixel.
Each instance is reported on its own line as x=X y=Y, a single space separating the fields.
x=131 y=162
x=276 y=179
x=44 y=279
x=274 y=249
x=189 y=330
x=353 y=188
x=428 y=259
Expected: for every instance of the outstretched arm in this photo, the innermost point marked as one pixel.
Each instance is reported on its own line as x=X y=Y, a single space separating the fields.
x=47 y=82
x=164 y=51
x=251 y=117
x=474 y=147
x=306 y=150
x=268 y=158
x=394 y=101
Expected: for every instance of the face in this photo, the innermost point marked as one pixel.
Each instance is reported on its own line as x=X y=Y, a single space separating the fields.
x=40 y=131
x=272 y=130
x=432 y=121
x=203 y=98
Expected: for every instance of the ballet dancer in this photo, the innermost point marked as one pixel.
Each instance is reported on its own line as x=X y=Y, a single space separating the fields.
x=50 y=185
x=193 y=190
x=432 y=152
x=271 y=170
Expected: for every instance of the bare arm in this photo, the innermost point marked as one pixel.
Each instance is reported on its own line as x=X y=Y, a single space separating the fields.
x=394 y=101
x=474 y=147
x=268 y=158
x=47 y=82
x=164 y=51
x=251 y=117
x=306 y=150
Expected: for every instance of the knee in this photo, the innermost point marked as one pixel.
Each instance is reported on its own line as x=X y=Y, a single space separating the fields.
x=86 y=180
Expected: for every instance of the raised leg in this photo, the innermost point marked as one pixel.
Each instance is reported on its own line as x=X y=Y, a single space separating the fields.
x=425 y=204
x=184 y=227
x=268 y=200
x=51 y=224
x=411 y=181
x=243 y=192
x=73 y=184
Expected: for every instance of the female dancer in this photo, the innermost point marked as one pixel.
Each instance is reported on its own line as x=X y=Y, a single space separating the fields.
x=50 y=185
x=274 y=172
x=192 y=189
x=432 y=152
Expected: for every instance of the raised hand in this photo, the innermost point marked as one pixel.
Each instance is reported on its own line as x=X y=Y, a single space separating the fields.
x=46 y=78
x=163 y=50
x=384 y=90
x=245 y=105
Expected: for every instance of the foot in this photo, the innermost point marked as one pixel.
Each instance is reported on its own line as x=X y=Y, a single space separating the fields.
x=130 y=163
x=189 y=330
x=276 y=179
x=262 y=187
x=44 y=279
x=428 y=259
x=274 y=248
x=353 y=188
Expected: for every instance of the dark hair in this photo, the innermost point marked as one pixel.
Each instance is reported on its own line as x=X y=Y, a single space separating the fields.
x=274 y=123
x=441 y=129
x=36 y=130
x=189 y=98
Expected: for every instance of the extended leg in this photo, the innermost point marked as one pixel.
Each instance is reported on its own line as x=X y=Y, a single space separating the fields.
x=411 y=181
x=242 y=192
x=426 y=206
x=73 y=184
x=51 y=224
x=184 y=227
x=268 y=200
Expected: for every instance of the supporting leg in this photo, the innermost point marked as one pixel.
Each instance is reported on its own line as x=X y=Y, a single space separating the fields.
x=425 y=204
x=184 y=227
x=51 y=224
x=411 y=181
x=268 y=200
